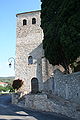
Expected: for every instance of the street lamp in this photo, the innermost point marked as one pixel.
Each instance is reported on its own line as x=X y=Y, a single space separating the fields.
x=10 y=60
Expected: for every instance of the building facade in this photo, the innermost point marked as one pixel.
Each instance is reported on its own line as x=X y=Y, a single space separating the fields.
x=30 y=60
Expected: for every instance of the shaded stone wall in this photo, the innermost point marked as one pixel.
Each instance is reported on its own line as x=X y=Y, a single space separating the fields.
x=67 y=86
x=42 y=103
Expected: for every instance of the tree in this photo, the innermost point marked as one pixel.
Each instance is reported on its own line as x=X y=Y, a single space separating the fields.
x=17 y=84
x=60 y=21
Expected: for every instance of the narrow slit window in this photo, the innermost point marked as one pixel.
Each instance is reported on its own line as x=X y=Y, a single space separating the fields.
x=30 y=60
x=24 y=22
x=33 y=20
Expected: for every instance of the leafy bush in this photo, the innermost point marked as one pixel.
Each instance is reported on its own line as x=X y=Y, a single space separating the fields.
x=17 y=84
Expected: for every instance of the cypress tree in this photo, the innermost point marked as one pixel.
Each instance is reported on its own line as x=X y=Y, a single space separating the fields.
x=60 y=21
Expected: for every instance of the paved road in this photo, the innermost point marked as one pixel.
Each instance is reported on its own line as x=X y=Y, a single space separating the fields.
x=13 y=112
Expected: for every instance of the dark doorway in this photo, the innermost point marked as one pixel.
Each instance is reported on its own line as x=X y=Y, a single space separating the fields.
x=34 y=85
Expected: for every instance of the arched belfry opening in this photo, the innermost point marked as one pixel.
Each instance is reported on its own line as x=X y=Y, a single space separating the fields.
x=24 y=22
x=33 y=20
x=34 y=85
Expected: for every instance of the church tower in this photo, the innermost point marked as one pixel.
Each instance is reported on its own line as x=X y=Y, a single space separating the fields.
x=29 y=51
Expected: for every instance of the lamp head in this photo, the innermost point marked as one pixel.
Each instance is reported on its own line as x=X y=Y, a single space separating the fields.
x=10 y=64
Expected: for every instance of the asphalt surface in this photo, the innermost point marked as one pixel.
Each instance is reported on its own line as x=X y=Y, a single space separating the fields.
x=13 y=112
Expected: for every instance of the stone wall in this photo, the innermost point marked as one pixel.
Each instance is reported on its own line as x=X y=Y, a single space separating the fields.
x=28 y=43
x=67 y=86
x=41 y=102
x=64 y=98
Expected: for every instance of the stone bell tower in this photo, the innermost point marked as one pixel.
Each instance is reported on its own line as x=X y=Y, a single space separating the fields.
x=29 y=51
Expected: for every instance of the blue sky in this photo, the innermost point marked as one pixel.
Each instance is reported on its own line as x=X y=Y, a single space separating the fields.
x=8 y=11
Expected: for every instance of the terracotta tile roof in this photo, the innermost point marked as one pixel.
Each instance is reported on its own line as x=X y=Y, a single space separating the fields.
x=3 y=83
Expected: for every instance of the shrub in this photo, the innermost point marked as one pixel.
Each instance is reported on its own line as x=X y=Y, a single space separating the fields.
x=17 y=84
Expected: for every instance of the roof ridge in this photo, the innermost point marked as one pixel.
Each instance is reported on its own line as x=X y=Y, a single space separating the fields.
x=28 y=12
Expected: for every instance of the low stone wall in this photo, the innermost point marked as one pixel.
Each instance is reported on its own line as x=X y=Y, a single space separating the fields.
x=42 y=103
x=17 y=97
x=65 y=100
x=67 y=86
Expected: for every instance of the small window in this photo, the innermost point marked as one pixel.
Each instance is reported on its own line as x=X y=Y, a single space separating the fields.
x=24 y=22
x=30 y=60
x=33 y=20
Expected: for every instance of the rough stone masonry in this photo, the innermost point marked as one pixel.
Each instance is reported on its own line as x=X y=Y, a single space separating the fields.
x=30 y=60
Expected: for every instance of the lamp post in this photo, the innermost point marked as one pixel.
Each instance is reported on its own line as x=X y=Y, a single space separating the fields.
x=10 y=60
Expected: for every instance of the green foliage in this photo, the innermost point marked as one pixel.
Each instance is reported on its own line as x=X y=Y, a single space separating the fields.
x=7 y=88
x=3 y=89
x=10 y=88
x=60 y=20
x=8 y=80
